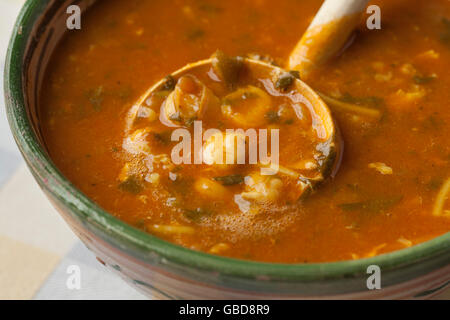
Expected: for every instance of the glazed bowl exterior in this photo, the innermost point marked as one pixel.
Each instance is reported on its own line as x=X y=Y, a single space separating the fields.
x=165 y=270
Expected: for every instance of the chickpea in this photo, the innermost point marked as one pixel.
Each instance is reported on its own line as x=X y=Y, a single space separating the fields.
x=247 y=106
x=262 y=188
x=211 y=189
x=224 y=150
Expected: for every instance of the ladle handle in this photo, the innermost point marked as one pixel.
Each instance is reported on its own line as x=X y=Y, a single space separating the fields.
x=327 y=33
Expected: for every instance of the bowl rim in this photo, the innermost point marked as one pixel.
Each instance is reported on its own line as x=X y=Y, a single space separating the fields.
x=54 y=182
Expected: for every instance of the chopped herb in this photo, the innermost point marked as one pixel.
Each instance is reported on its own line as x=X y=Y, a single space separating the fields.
x=423 y=80
x=124 y=93
x=177 y=169
x=195 y=34
x=169 y=83
x=295 y=73
x=353 y=187
x=95 y=97
x=162 y=94
x=363 y=101
x=228 y=68
x=175 y=116
x=196 y=214
x=285 y=81
x=432 y=122
x=230 y=179
x=209 y=8
x=445 y=35
x=135 y=45
x=372 y=205
x=341 y=105
x=289 y=121
x=189 y=122
x=163 y=137
x=434 y=184
x=132 y=185
x=272 y=116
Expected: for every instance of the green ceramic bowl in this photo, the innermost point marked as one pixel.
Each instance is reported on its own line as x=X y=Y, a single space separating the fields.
x=167 y=270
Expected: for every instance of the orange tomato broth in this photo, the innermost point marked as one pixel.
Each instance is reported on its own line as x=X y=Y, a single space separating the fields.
x=383 y=195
